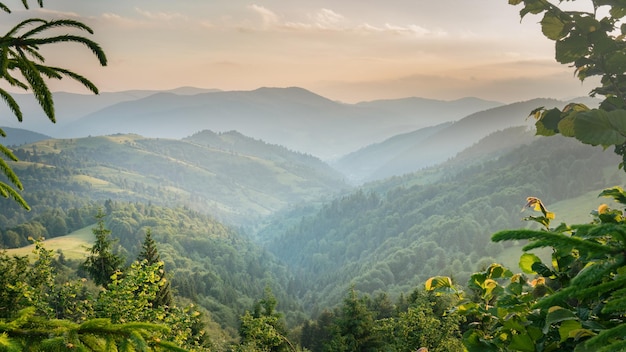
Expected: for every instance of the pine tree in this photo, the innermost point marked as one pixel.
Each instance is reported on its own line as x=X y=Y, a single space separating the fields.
x=356 y=325
x=102 y=262
x=149 y=251
x=150 y=254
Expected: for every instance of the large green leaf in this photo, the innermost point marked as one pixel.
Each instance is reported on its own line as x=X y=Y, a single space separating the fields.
x=616 y=62
x=599 y=127
x=522 y=342
x=571 y=49
x=553 y=27
x=569 y=328
x=547 y=124
x=438 y=283
x=556 y=315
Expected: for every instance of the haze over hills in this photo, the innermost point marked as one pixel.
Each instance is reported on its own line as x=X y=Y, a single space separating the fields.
x=71 y=106
x=293 y=117
x=324 y=235
x=426 y=147
x=18 y=136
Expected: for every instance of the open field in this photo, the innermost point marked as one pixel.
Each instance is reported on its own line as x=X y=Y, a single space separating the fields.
x=74 y=246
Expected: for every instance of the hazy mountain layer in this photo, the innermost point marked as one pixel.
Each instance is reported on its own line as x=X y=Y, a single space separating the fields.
x=293 y=117
x=433 y=145
x=18 y=136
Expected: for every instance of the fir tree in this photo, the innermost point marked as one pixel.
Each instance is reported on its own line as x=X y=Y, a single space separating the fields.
x=150 y=254
x=102 y=262
x=149 y=251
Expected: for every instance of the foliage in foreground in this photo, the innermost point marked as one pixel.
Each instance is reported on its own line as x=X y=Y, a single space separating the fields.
x=41 y=312
x=576 y=302
x=22 y=65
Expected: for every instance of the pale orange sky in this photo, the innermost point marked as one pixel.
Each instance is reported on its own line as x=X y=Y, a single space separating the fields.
x=349 y=50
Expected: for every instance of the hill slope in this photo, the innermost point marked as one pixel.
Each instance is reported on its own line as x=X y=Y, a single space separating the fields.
x=426 y=147
x=230 y=176
x=393 y=237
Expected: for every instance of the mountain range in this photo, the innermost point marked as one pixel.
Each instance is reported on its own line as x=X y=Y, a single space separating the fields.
x=293 y=117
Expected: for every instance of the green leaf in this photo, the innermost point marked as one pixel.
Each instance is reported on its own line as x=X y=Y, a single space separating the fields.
x=526 y=262
x=568 y=329
x=571 y=49
x=599 y=127
x=522 y=342
x=586 y=24
x=553 y=27
x=557 y=314
x=548 y=122
x=615 y=63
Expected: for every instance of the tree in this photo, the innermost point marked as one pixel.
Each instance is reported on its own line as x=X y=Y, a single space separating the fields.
x=150 y=254
x=356 y=325
x=102 y=263
x=594 y=45
x=264 y=329
x=22 y=66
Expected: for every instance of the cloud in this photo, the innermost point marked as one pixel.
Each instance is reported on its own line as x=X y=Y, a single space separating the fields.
x=326 y=19
x=121 y=21
x=160 y=16
x=412 y=30
x=269 y=17
x=64 y=14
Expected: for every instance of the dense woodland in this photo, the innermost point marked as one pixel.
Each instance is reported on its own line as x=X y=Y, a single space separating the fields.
x=360 y=256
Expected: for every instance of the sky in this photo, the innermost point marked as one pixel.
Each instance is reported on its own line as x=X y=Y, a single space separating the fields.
x=345 y=50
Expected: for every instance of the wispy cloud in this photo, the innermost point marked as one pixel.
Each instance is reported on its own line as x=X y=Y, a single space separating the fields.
x=121 y=21
x=269 y=18
x=160 y=16
x=329 y=20
x=64 y=14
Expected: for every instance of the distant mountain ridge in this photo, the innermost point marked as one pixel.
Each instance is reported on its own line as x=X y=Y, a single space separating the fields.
x=18 y=136
x=413 y=151
x=293 y=117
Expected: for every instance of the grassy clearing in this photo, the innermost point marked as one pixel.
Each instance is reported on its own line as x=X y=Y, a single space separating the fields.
x=74 y=246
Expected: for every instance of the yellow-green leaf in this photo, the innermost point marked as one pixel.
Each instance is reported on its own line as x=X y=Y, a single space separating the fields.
x=526 y=262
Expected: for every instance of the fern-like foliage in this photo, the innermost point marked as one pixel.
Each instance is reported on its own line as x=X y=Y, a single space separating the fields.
x=577 y=302
x=22 y=65
x=39 y=334
x=591 y=285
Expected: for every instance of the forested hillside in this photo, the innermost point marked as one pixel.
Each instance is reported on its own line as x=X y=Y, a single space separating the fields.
x=207 y=263
x=229 y=176
x=438 y=222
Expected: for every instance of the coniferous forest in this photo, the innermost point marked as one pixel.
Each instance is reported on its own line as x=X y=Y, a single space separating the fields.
x=223 y=242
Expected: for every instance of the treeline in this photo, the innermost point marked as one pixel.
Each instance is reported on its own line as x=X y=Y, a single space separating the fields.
x=421 y=320
x=388 y=241
x=209 y=263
